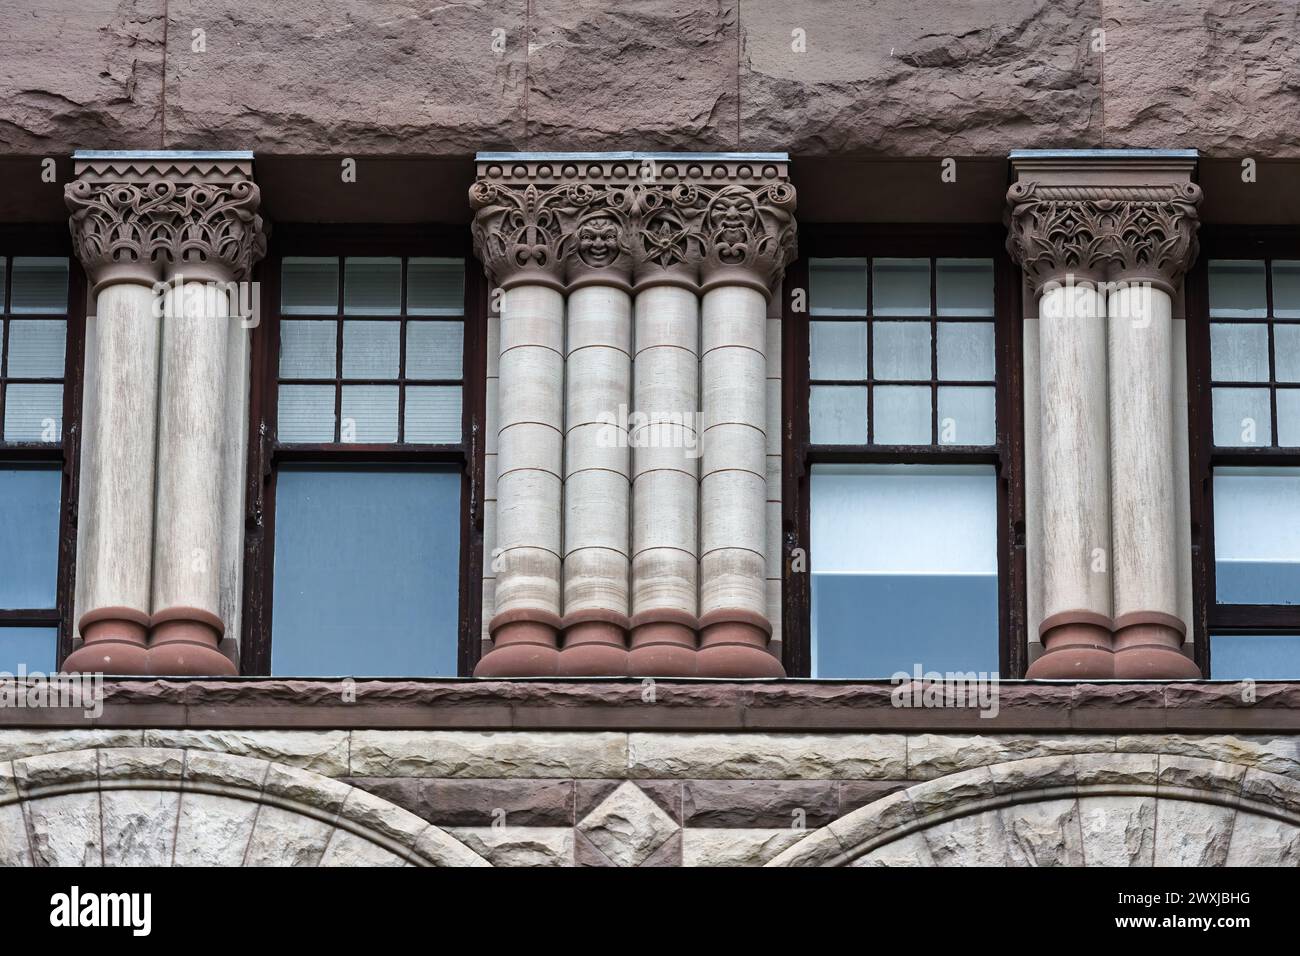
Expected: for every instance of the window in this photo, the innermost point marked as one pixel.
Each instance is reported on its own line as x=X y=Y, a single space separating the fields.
x=40 y=352
x=366 y=463
x=1245 y=363
x=900 y=460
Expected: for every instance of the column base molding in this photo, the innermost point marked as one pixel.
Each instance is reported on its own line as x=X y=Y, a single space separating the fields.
x=175 y=642
x=1084 y=645
x=184 y=642
x=114 y=641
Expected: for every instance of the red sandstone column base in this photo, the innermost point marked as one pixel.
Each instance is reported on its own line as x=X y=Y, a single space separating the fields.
x=114 y=642
x=595 y=645
x=663 y=644
x=734 y=644
x=1076 y=646
x=184 y=643
x=524 y=644
x=1148 y=646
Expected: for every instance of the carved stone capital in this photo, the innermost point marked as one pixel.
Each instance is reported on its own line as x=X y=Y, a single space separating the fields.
x=1115 y=233
x=569 y=221
x=143 y=217
x=1103 y=215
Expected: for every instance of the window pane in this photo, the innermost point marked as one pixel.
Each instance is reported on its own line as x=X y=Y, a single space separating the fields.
x=33 y=648
x=40 y=284
x=372 y=286
x=901 y=287
x=904 y=562
x=1242 y=417
x=1255 y=656
x=1257 y=535
x=1286 y=352
x=370 y=349
x=367 y=572
x=967 y=416
x=369 y=413
x=901 y=415
x=434 y=349
x=29 y=535
x=306 y=413
x=838 y=350
x=964 y=286
x=837 y=415
x=1237 y=289
x=36 y=348
x=433 y=414
x=309 y=286
x=1288 y=417
x=34 y=413
x=435 y=287
x=307 y=349
x=1286 y=289
x=837 y=286
x=900 y=350
x=1238 y=352
x=966 y=351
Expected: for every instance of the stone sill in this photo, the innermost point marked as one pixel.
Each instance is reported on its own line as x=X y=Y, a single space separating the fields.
x=678 y=705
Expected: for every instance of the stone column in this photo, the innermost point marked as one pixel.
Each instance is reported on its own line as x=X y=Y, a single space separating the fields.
x=597 y=488
x=1153 y=243
x=154 y=498
x=747 y=234
x=521 y=245
x=585 y=224
x=1088 y=232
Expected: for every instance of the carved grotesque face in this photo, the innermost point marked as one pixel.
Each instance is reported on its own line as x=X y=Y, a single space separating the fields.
x=598 y=241
x=732 y=217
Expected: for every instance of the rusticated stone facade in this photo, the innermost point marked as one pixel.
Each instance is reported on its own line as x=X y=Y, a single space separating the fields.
x=545 y=798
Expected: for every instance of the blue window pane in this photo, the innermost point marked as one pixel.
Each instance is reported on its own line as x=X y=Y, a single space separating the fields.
x=31 y=648
x=29 y=535
x=367 y=572
x=1257 y=535
x=1255 y=657
x=904 y=561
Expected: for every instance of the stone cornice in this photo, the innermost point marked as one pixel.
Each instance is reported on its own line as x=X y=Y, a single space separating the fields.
x=137 y=218
x=570 y=220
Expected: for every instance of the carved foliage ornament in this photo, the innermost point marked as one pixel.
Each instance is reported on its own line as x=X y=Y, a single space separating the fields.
x=1126 y=232
x=146 y=223
x=555 y=233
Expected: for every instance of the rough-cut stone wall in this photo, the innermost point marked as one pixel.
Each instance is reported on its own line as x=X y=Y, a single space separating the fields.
x=388 y=797
x=892 y=77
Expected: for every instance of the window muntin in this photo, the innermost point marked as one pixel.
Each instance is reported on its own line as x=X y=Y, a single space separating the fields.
x=1254 y=307
x=380 y=360
x=898 y=365
x=904 y=569
x=901 y=352
x=368 y=476
x=35 y=299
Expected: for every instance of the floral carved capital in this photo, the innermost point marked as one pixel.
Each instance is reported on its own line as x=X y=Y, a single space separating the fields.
x=626 y=231
x=1126 y=233
x=143 y=219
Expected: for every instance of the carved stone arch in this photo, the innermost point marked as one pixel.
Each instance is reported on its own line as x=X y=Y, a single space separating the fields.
x=162 y=806
x=1107 y=809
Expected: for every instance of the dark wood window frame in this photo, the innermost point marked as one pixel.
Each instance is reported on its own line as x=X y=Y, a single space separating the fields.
x=265 y=454
x=50 y=239
x=1222 y=242
x=833 y=241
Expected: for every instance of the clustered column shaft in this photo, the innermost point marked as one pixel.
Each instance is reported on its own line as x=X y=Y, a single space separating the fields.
x=163 y=239
x=1104 y=262
x=663 y=566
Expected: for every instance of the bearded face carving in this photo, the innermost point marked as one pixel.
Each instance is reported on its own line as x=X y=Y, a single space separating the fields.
x=598 y=241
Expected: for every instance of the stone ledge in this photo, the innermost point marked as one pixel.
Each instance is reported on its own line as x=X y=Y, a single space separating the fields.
x=682 y=705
